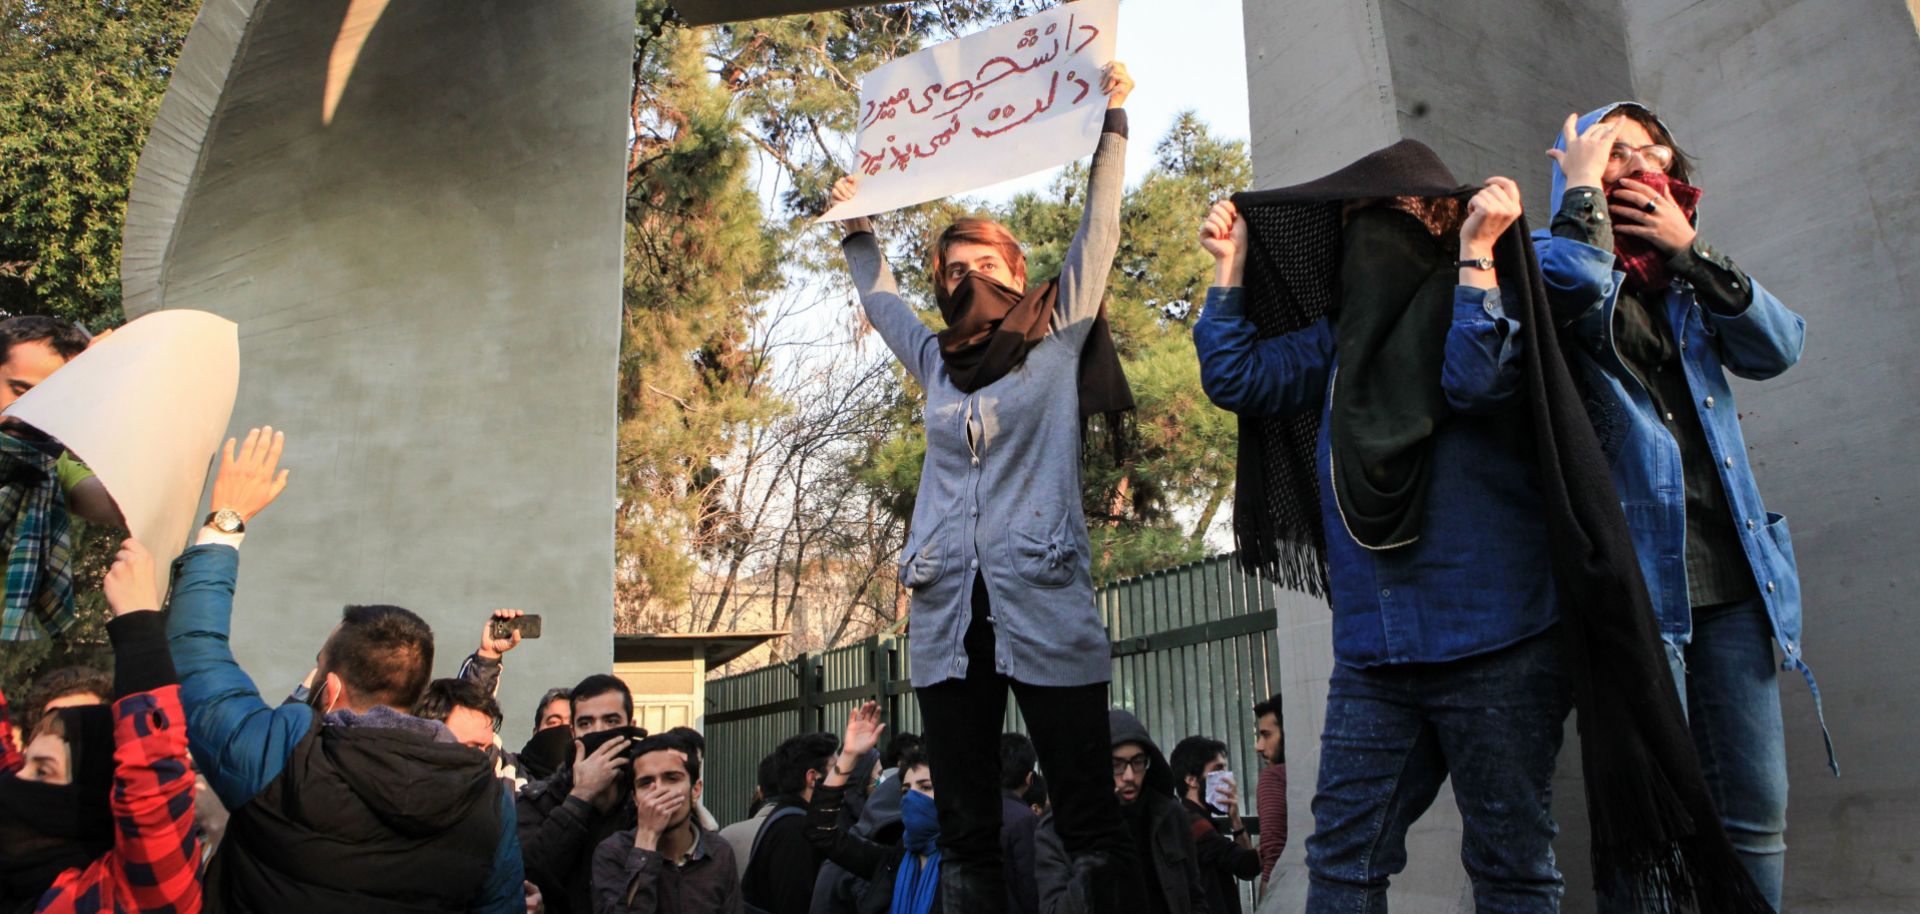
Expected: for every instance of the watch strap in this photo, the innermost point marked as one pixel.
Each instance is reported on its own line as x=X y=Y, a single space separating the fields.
x=1475 y=263
x=240 y=523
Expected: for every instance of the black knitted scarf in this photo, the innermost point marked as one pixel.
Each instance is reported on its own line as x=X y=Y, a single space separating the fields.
x=1657 y=841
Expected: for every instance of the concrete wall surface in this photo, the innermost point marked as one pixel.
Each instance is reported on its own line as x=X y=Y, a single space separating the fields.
x=414 y=214
x=1804 y=154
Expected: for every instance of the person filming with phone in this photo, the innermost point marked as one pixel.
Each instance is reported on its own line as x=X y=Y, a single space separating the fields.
x=1211 y=794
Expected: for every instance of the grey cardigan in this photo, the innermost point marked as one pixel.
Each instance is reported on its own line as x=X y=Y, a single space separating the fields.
x=1000 y=486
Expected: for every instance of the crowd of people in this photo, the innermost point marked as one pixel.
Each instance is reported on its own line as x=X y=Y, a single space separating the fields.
x=373 y=787
x=1526 y=492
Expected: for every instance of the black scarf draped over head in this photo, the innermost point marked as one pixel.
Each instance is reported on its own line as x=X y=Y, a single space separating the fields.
x=1387 y=399
x=991 y=328
x=1657 y=841
x=46 y=829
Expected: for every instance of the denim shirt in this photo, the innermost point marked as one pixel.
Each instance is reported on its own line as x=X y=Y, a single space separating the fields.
x=1479 y=577
x=1758 y=343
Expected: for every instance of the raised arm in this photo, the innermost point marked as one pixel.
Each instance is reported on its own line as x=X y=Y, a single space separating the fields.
x=483 y=666
x=1481 y=369
x=1083 y=273
x=1576 y=250
x=899 y=327
x=239 y=741
x=826 y=830
x=1242 y=373
x=155 y=860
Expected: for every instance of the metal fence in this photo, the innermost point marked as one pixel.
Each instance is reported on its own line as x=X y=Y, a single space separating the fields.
x=1193 y=649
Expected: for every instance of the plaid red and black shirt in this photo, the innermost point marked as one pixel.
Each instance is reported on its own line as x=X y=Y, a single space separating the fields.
x=10 y=757
x=154 y=867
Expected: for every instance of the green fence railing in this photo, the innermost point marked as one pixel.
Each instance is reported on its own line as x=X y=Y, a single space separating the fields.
x=1193 y=649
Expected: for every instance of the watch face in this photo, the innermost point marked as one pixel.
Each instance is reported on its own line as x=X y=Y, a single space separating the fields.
x=227 y=521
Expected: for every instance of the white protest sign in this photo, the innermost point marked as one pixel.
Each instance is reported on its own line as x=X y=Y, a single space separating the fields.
x=1012 y=100
x=145 y=409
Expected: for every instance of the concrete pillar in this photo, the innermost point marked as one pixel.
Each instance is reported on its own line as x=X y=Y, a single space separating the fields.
x=1804 y=148
x=414 y=213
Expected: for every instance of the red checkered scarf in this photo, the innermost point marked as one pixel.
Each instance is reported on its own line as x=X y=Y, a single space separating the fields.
x=1645 y=265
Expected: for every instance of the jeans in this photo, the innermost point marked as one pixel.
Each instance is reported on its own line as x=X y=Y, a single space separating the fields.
x=1394 y=733
x=1068 y=726
x=1730 y=686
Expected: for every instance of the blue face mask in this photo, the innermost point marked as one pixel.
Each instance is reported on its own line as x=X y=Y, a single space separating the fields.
x=918 y=814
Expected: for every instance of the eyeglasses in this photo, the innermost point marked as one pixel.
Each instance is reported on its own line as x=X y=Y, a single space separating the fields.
x=1138 y=763
x=1657 y=157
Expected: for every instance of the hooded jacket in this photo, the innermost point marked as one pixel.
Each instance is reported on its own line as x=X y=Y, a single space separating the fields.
x=1757 y=343
x=373 y=812
x=362 y=813
x=1171 y=839
x=142 y=776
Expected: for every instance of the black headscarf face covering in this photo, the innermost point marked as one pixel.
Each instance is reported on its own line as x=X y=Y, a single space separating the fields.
x=991 y=328
x=1294 y=266
x=46 y=829
x=1396 y=302
x=547 y=752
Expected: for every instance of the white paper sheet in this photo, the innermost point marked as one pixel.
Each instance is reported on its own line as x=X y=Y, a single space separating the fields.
x=145 y=409
x=993 y=106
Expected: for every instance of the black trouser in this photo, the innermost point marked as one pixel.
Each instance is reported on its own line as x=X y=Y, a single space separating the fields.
x=1068 y=726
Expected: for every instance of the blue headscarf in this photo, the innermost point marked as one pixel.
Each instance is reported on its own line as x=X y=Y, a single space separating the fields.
x=918 y=882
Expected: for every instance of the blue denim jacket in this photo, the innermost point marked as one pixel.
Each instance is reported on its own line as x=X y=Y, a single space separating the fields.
x=1478 y=578
x=1758 y=343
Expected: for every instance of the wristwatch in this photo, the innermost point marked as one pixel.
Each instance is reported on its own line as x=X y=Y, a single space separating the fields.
x=1477 y=263
x=227 y=520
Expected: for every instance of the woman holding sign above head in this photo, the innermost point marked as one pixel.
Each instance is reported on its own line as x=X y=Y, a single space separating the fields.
x=997 y=554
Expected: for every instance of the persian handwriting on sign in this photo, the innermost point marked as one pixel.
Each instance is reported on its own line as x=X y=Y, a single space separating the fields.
x=996 y=105
x=999 y=118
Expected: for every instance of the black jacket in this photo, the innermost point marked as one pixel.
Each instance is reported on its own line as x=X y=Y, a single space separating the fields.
x=1175 y=862
x=1018 y=826
x=837 y=891
x=1222 y=860
x=364 y=820
x=879 y=864
x=558 y=835
x=779 y=877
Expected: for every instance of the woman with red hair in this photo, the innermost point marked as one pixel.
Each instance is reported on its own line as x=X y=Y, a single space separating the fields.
x=997 y=555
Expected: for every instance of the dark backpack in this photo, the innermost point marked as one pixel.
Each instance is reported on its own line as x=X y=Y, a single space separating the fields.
x=778 y=814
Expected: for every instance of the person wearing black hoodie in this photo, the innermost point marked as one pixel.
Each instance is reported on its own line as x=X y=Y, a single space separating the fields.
x=342 y=803
x=1143 y=783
